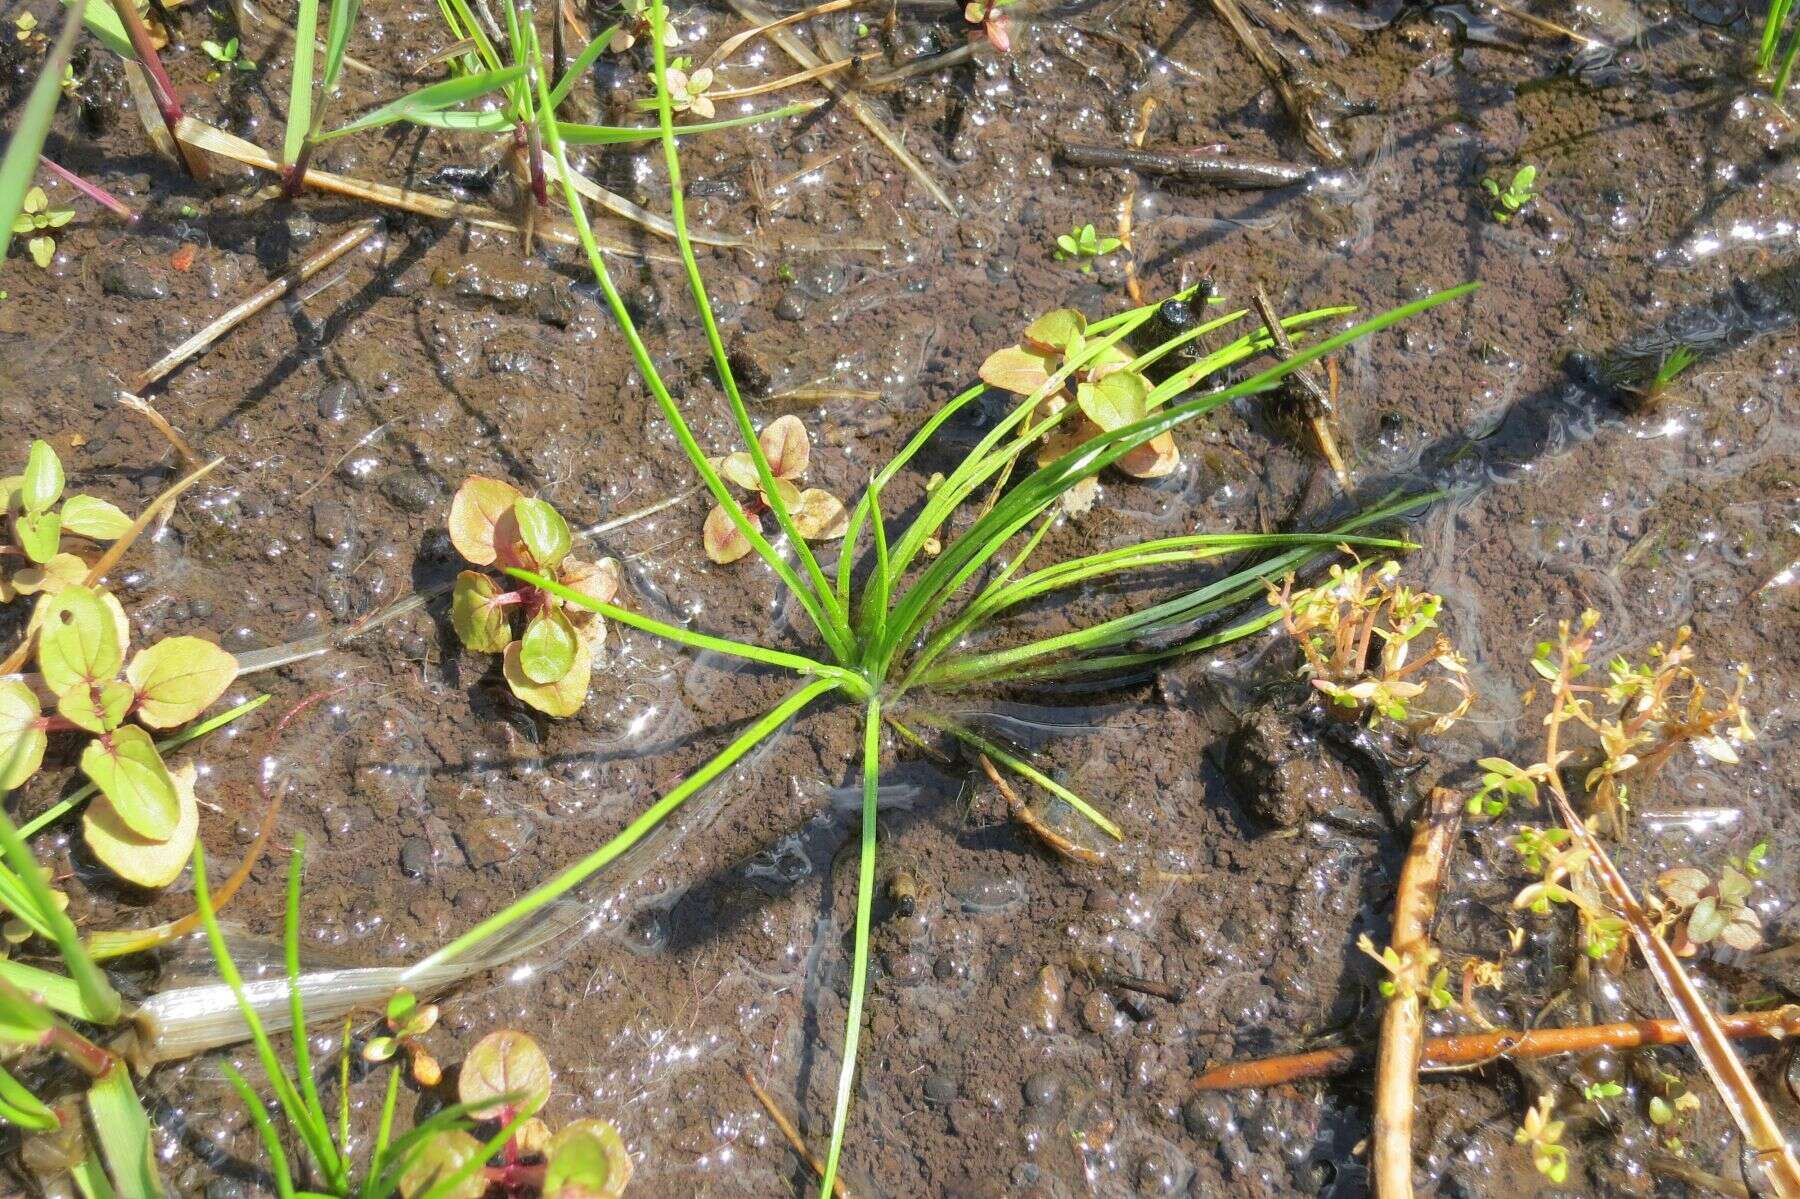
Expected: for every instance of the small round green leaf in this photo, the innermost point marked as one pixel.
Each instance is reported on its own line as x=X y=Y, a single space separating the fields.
x=42 y=485
x=38 y=534
x=96 y=707
x=587 y=1160
x=1056 y=330
x=547 y=650
x=475 y=511
x=129 y=771
x=21 y=740
x=92 y=517
x=562 y=698
x=480 y=624
x=544 y=531
x=1115 y=401
x=177 y=679
x=139 y=860
x=437 y=1160
x=78 y=639
x=504 y=1063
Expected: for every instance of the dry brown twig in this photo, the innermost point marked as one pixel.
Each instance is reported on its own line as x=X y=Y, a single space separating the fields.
x=1477 y=1049
x=787 y=1129
x=1403 y=1025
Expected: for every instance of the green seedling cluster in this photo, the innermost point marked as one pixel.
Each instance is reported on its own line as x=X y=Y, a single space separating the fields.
x=39 y=516
x=1083 y=244
x=1772 y=61
x=39 y=221
x=1542 y=1135
x=786 y=444
x=1513 y=196
x=549 y=660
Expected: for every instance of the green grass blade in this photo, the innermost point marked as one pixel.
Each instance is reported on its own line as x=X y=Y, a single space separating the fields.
x=90 y=1178
x=1771 y=33
x=384 y=1130
x=420 y=105
x=265 y=1128
x=300 y=87
x=1026 y=770
x=167 y=745
x=96 y=994
x=618 y=135
x=859 y=969
x=337 y=1168
x=103 y=23
x=671 y=411
x=718 y=645
x=583 y=61
x=338 y=26
x=822 y=590
x=124 y=1134
x=313 y=1134
x=458 y=120
x=19 y=164
x=634 y=832
x=55 y=991
x=19 y=1107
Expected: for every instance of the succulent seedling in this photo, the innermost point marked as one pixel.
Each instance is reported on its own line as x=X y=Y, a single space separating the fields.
x=990 y=15
x=407 y=1021
x=687 y=91
x=1108 y=392
x=549 y=663
x=1411 y=975
x=1083 y=244
x=818 y=514
x=1697 y=910
x=1508 y=200
x=30 y=503
x=38 y=220
x=1337 y=624
x=506 y=1079
x=26 y=30
x=145 y=829
x=227 y=54
x=1543 y=1135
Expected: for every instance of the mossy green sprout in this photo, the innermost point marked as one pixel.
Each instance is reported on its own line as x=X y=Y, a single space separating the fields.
x=1542 y=1135
x=916 y=626
x=39 y=515
x=1514 y=195
x=40 y=221
x=1083 y=244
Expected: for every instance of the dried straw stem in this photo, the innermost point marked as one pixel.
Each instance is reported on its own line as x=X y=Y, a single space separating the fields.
x=1403 y=1025
x=780 y=1120
x=1478 y=1049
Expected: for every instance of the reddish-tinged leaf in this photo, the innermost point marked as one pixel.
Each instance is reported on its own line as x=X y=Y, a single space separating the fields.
x=785 y=444
x=506 y=1062
x=721 y=538
x=477 y=507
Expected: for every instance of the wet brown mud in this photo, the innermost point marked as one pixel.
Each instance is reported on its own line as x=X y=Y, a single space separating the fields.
x=993 y=1064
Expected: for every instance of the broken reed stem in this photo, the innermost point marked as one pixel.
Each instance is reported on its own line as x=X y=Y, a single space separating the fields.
x=1479 y=1049
x=780 y=1120
x=202 y=341
x=161 y=424
x=92 y=191
x=167 y=103
x=1021 y=811
x=1403 y=1025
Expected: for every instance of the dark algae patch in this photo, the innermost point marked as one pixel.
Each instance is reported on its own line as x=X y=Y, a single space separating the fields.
x=450 y=536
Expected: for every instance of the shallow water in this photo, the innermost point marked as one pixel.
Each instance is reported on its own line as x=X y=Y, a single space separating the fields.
x=1670 y=214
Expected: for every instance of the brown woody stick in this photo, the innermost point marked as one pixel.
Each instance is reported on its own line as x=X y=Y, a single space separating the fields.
x=1475 y=1049
x=780 y=1120
x=1403 y=1025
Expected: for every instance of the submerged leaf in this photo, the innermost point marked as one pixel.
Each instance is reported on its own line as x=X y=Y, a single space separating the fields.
x=505 y=1062
x=474 y=511
x=721 y=538
x=438 y=1159
x=547 y=650
x=480 y=624
x=587 y=1160
x=1016 y=369
x=785 y=444
x=92 y=517
x=563 y=697
x=176 y=679
x=140 y=860
x=78 y=639
x=544 y=532
x=820 y=516
x=21 y=740
x=129 y=771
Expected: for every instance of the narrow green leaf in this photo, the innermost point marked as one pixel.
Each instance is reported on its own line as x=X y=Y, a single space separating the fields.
x=57 y=992
x=589 y=53
x=124 y=1134
x=431 y=98
x=615 y=135
x=265 y=1129
x=33 y=126
x=23 y=1020
x=299 y=114
x=338 y=27
x=20 y=1107
x=90 y=1178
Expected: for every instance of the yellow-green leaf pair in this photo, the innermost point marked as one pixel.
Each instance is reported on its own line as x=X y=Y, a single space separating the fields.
x=818 y=515
x=38 y=525
x=550 y=664
x=143 y=825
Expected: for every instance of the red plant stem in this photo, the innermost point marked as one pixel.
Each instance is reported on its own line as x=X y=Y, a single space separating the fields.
x=82 y=1053
x=167 y=103
x=92 y=191
x=293 y=175
x=1473 y=1049
x=517 y=1179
